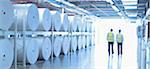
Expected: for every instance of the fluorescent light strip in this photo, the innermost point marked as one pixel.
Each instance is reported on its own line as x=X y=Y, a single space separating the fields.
x=115 y=8
x=119 y=13
x=130 y=7
x=110 y=1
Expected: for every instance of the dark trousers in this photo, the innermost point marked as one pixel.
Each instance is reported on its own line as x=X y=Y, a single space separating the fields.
x=110 y=44
x=119 y=48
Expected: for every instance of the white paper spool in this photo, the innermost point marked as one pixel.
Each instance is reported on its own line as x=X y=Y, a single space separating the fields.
x=75 y=23
x=6 y=14
x=79 y=23
x=83 y=24
x=88 y=27
x=79 y=42
x=90 y=37
x=66 y=45
x=83 y=42
x=74 y=43
x=57 y=45
x=32 y=50
x=88 y=41
x=44 y=19
x=56 y=20
x=44 y=48
x=27 y=13
x=6 y=54
x=93 y=40
x=65 y=22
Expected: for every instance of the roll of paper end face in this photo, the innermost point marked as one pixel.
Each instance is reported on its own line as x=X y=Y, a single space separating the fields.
x=65 y=23
x=6 y=54
x=56 y=20
x=6 y=14
x=45 y=18
x=74 y=43
x=29 y=16
x=75 y=24
x=79 y=24
x=79 y=42
x=57 y=45
x=66 y=45
x=45 y=48
x=32 y=50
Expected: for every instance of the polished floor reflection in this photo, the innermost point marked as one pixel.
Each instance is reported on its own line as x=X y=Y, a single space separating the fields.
x=83 y=59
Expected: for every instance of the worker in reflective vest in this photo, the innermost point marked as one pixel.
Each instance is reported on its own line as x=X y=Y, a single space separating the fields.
x=119 y=39
x=110 y=39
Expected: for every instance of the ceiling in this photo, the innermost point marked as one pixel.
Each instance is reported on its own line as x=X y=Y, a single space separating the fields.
x=113 y=8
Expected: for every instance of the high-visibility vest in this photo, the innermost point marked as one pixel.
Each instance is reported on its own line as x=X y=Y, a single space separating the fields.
x=119 y=38
x=110 y=37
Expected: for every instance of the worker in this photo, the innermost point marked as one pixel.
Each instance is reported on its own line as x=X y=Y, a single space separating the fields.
x=119 y=39
x=110 y=39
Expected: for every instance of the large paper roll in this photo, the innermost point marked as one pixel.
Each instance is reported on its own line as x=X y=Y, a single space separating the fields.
x=6 y=14
x=79 y=42
x=93 y=40
x=79 y=23
x=56 y=20
x=32 y=50
x=83 y=24
x=66 y=45
x=74 y=43
x=65 y=22
x=44 y=48
x=57 y=45
x=88 y=27
x=6 y=54
x=44 y=19
x=88 y=41
x=75 y=23
x=83 y=42
x=28 y=14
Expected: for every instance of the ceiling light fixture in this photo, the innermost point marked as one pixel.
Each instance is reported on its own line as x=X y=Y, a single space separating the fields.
x=115 y=8
x=110 y=1
x=119 y=13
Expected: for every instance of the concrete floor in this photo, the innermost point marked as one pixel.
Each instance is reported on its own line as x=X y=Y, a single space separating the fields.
x=89 y=58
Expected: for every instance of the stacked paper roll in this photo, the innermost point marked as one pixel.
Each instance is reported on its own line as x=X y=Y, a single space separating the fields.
x=79 y=42
x=6 y=14
x=66 y=45
x=44 y=48
x=44 y=19
x=28 y=14
x=57 y=45
x=79 y=23
x=93 y=40
x=65 y=22
x=90 y=37
x=56 y=20
x=32 y=50
x=74 y=43
x=75 y=23
x=83 y=24
x=6 y=54
x=88 y=41
x=88 y=27
x=83 y=42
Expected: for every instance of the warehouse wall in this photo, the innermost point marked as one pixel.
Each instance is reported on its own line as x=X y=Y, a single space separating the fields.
x=103 y=26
